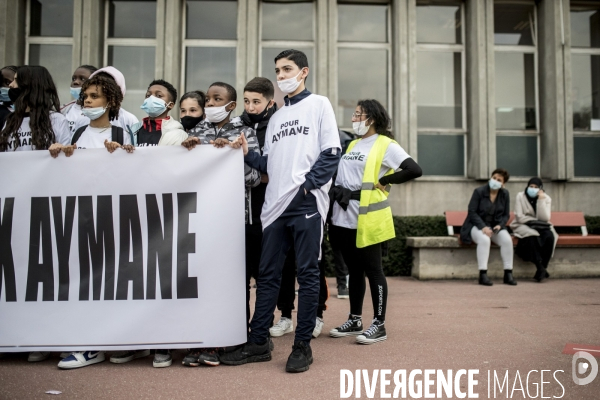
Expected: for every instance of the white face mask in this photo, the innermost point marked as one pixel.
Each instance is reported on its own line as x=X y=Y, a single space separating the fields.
x=217 y=114
x=288 y=86
x=93 y=113
x=360 y=128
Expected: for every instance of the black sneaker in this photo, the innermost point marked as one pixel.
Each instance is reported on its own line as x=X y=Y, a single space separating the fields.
x=192 y=359
x=210 y=357
x=300 y=359
x=375 y=333
x=248 y=353
x=343 y=292
x=162 y=358
x=351 y=327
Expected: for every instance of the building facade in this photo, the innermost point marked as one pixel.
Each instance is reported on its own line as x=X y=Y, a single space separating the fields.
x=471 y=85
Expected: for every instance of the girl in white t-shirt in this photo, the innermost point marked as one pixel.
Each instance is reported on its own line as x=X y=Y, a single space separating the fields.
x=370 y=120
x=102 y=99
x=35 y=123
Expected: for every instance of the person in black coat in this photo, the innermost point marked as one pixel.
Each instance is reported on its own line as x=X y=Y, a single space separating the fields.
x=489 y=211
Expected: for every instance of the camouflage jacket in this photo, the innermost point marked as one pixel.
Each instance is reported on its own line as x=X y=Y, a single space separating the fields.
x=206 y=131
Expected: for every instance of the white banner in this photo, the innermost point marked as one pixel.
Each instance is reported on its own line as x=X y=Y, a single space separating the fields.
x=122 y=251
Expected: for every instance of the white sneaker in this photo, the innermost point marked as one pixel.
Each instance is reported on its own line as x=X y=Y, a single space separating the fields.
x=80 y=359
x=318 y=327
x=285 y=325
x=121 y=357
x=65 y=354
x=36 y=356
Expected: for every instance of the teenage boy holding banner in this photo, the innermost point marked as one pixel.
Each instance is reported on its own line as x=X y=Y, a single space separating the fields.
x=302 y=150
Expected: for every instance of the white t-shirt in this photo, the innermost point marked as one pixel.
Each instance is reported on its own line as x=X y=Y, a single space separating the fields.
x=77 y=119
x=60 y=127
x=295 y=137
x=351 y=171
x=93 y=138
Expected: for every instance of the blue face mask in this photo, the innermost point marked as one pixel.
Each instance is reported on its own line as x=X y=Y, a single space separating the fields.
x=93 y=113
x=4 y=95
x=75 y=91
x=153 y=106
x=532 y=192
x=494 y=184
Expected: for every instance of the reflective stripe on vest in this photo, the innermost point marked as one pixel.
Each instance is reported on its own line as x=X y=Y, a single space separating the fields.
x=375 y=222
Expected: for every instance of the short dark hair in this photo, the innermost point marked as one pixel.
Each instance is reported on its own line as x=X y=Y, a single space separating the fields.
x=198 y=95
x=110 y=90
x=503 y=172
x=170 y=88
x=298 y=57
x=378 y=115
x=230 y=90
x=261 y=85
x=90 y=68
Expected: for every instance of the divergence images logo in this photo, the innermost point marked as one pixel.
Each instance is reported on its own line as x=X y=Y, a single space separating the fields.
x=581 y=367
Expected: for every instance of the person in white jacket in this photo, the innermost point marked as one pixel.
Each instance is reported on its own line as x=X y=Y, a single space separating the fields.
x=537 y=237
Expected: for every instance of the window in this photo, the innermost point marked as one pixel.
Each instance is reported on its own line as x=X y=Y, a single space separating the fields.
x=516 y=97
x=363 y=57
x=210 y=44
x=585 y=90
x=130 y=46
x=441 y=112
x=285 y=26
x=50 y=41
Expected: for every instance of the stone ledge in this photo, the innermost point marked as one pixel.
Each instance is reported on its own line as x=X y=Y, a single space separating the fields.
x=433 y=242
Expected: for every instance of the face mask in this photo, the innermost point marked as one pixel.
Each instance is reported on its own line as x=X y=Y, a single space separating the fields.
x=4 y=95
x=360 y=128
x=217 y=114
x=256 y=118
x=288 y=86
x=494 y=184
x=532 y=192
x=189 y=122
x=14 y=93
x=153 y=106
x=93 y=113
x=75 y=92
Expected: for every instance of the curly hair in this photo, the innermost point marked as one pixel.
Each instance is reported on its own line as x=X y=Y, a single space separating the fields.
x=110 y=90
x=38 y=92
x=378 y=115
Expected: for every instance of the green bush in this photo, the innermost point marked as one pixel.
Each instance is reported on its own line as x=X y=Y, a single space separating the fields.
x=399 y=259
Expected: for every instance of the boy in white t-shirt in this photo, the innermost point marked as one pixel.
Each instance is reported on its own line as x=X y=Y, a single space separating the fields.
x=301 y=152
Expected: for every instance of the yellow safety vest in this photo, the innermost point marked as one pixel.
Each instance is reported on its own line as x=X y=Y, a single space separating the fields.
x=375 y=222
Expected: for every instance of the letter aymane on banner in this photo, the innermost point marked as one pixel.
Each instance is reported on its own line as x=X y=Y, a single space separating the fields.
x=121 y=251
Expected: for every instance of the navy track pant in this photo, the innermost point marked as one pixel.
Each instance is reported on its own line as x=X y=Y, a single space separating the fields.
x=305 y=232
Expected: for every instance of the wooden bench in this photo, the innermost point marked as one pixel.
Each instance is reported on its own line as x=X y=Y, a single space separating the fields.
x=575 y=256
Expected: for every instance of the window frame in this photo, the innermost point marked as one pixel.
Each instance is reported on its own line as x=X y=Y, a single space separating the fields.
x=336 y=45
x=446 y=48
x=74 y=40
x=588 y=51
x=516 y=49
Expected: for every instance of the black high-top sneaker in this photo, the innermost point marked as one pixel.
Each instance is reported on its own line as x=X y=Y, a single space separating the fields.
x=351 y=327
x=483 y=278
x=300 y=359
x=508 y=278
x=248 y=353
x=375 y=333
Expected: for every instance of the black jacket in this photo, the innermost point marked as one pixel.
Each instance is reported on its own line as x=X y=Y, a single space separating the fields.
x=478 y=208
x=258 y=192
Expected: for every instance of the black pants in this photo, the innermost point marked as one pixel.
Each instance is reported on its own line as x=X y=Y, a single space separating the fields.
x=253 y=249
x=287 y=291
x=361 y=262
x=341 y=269
x=537 y=249
x=305 y=234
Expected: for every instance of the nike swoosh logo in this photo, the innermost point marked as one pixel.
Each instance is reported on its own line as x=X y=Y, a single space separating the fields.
x=310 y=216
x=92 y=355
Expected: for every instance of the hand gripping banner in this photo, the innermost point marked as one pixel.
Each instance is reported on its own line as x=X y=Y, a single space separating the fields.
x=122 y=251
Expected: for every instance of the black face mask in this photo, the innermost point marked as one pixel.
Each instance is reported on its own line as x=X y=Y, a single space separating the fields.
x=189 y=122
x=14 y=93
x=256 y=118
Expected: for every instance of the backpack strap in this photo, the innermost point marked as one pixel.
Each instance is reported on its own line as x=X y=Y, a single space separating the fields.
x=117 y=134
x=78 y=134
